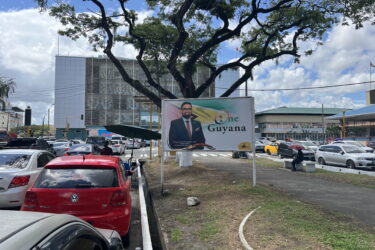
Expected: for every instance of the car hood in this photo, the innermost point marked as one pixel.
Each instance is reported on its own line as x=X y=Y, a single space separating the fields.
x=357 y=155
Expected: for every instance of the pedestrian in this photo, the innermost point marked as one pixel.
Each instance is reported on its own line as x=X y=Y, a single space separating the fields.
x=106 y=150
x=298 y=158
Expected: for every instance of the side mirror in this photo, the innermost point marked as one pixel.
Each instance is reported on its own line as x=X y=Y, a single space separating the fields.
x=342 y=152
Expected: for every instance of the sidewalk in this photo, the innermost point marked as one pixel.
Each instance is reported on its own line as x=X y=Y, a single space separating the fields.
x=352 y=200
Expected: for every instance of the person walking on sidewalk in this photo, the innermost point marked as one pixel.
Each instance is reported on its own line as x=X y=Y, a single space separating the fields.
x=298 y=158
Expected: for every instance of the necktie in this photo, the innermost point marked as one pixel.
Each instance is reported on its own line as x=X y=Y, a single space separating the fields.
x=188 y=128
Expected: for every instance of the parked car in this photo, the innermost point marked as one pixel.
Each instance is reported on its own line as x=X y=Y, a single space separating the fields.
x=94 y=188
x=308 y=145
x=29 y=143
x=61 y=147
x=120 y=138
x=347 y=155
x=130 y=143
x=19 y=169
x=271 y=149
x=118 y=147
x=30 y=230
x=355 y=143
x=259 y=146
x=371 y=144
x=83 y=149
x=290 y=150
x=96 y=140
x=76 y=141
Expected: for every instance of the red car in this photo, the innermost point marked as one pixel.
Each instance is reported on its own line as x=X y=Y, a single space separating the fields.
x=94 y=188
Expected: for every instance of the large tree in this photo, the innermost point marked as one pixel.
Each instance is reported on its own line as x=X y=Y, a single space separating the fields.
x=184 y=34
x=6 y=86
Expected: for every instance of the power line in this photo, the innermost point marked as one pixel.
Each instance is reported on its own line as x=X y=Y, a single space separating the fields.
x=304 y=88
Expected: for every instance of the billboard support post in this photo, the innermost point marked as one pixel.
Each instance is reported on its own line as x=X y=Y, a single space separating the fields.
x=253 y=146
x=162 y=174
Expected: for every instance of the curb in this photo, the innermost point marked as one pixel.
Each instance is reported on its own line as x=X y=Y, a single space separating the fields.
x=240 y=230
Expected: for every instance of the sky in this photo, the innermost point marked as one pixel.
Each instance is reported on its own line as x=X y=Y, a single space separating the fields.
x=29 y=44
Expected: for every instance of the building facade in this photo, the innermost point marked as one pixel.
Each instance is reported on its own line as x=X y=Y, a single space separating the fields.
x=90 y=93
x=296 y=123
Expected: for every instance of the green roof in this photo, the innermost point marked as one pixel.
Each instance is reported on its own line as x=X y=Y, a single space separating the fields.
x=301 y=111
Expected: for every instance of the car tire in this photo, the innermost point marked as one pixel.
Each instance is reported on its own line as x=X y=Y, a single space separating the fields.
x=350 y=164
x=268 y=152
x=321 y=161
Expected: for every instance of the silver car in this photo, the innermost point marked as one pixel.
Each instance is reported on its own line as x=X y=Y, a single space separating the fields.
x=345 y=155
x=32 y=230
x=355 y=143
x=61 y=147
x=19 y=169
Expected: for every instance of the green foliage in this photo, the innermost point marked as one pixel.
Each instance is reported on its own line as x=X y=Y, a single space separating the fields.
x=182 y=35
x=37 y=129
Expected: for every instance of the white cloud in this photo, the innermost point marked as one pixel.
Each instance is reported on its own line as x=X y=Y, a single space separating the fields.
x=28 y=47
x=343 y=59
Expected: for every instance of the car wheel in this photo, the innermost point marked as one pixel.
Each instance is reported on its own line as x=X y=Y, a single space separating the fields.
x=235 y=155
x=321 y=161
x=350 y=164
x=268 y=152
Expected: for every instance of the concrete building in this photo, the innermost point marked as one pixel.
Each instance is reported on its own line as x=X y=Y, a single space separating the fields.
x=225 y=80
x=357 y=124
x=11 y=117
x=296 y=123
x=90 y=93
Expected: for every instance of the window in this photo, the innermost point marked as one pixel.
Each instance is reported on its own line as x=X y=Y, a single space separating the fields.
x=43 y=159
x=77 y=178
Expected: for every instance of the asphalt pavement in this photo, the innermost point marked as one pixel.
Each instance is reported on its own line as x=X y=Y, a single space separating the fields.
x=351 y=200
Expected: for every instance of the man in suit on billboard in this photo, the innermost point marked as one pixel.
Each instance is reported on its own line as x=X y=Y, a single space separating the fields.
x=186 y=132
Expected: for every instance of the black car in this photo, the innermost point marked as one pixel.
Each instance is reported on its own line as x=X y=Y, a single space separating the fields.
x=290 y=149
x=29 y=143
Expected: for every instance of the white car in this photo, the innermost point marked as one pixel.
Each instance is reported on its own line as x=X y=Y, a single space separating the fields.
x=61 y=147
x=118 y=147
x=33 y=230
x=130 y=143
x=355 y=143
x=345 y=155
x=19 y=169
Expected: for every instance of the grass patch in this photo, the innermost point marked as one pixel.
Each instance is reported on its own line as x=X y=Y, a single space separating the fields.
x=208 y=230
x=306 y=223
x=176 y=234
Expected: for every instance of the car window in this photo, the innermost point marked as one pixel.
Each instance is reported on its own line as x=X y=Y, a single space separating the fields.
x=335 y=149
x=352 y=149
x=14 y=160
x=43 y=159
x=42 y=143
x=72 y=237
x=122 y=170
x=77 y=178
x=355 y=143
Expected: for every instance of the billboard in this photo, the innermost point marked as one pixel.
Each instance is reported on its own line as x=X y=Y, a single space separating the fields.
x=220 y=124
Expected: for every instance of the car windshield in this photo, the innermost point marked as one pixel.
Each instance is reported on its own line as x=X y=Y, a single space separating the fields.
x=80 y=148
x=14 y=160
x=115 y=142
x=96 y=140
x=77 y=178
x=307 y=143
x=355 y=143
x=352 y=149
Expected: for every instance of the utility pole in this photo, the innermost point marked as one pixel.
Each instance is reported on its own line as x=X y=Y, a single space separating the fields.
x=323 y=125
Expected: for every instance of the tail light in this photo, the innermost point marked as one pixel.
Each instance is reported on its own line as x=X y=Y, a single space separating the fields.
x=19 y=181
x=66 y=149
x=119 y=198
x=31 y=200
x=116 y=146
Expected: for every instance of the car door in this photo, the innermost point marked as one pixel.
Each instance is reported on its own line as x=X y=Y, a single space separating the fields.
x=337 y=157
x=329 y=154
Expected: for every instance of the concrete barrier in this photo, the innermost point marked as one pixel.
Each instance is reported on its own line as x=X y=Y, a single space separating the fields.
x=288 y=165
x=308 y=167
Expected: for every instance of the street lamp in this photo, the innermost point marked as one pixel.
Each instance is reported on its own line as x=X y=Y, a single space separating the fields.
x=48 y=119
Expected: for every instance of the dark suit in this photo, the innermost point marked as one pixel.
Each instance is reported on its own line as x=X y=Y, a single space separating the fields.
x=179 y=137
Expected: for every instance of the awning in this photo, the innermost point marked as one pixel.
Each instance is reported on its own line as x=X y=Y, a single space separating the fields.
x=134 y=132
